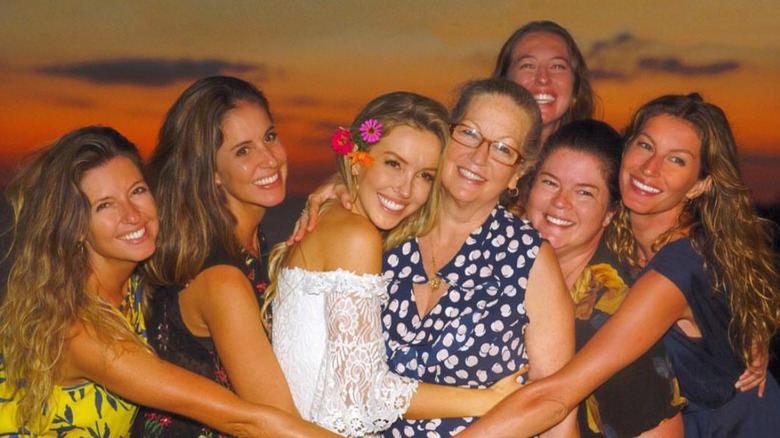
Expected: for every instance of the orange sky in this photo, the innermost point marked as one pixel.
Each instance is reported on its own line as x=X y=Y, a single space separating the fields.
x=67 y=64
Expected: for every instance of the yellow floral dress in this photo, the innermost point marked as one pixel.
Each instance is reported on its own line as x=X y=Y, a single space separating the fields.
x=642 y=395
x=85 y=409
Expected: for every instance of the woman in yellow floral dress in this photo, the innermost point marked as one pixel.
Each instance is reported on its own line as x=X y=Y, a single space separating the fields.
x=74 y=356
x=573 y=196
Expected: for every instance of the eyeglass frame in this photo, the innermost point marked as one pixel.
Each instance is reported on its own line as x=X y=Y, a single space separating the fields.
x=519 y=159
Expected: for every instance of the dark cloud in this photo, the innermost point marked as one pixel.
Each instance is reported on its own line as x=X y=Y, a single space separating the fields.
x=620 y=41
x=677 y=66
x=606 y=74
x=73 y=102
x=147 y=71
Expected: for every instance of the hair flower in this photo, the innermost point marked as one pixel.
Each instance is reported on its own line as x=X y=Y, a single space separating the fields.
x=371 y=130
x=360 y=157
x=341 y=142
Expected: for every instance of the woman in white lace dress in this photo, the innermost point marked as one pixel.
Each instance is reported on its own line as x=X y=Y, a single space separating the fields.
x=327 y=290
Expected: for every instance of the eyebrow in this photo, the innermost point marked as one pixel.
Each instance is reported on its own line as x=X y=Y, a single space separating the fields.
x=245 y=142
x=683 y=151
x=399 y=158
x=527 y=56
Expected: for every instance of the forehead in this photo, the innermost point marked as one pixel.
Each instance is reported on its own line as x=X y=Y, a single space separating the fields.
x=246 y=115
x=115 y=175
x=577 y=166
x=672 y=133
x=498 y=115
x=416 y=146
x=539 y=44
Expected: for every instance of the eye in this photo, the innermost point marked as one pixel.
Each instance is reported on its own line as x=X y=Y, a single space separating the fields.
x=677 y=160
x=271 y=136
x=428 y=176
x=469 y=132
x=526 y=66
x=102 y=206
x=139 y=190
x=392 y=163
x=584 y=192
x=548 y=182
x=561 y=66
x=241 y=151
x=502 y=148
x=644 y=145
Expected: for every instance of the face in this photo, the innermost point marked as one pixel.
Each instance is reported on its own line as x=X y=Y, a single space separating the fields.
x=542 y=65
x=399 y=180
x=470 y=176
x=660 y=167
x=123 y=216
x=569 y=201
x=251 y=162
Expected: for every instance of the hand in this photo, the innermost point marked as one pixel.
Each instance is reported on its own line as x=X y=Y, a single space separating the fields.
x=333 y=188
x=509 y=384
x=755 y=373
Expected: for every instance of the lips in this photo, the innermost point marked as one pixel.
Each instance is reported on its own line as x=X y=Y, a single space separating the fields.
x=469 y=175
x=134 y=235
x=558 y=221
x=266 y=181
x=389 y=204
x=544 y=98
x=644 y=187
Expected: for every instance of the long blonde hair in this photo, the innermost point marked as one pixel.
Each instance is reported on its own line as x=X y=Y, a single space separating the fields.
x=722 y=224
x=46 y=292
x=400 y=108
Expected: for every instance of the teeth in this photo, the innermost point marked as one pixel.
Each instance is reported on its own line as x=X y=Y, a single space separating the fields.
x=267 y=180
x=558 y=221
x=644 y=187
x=388 y=204
x=544 y=98
x=470 y=175
x=134 y=235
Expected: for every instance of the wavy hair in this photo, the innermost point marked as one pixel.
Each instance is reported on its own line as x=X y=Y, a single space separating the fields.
x=193 y=211
x=400 y=108
x=46 y=290
x=583 y=99
x=743 y=265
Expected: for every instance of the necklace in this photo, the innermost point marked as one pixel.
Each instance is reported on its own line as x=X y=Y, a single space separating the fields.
x=434 y=282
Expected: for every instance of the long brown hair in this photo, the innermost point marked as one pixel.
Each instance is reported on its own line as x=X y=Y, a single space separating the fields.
x=46 y=292
x=721 y=222
x=194 y=216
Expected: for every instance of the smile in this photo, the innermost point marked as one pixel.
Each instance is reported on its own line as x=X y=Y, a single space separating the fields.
x=644 y=187
x=558 y=221
x=267 y=180
x=388 y=204
x=135 y=235
x=542 y=98
x=469 y=175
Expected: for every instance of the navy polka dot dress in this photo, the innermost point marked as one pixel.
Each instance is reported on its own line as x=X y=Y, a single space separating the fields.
x=473 y=336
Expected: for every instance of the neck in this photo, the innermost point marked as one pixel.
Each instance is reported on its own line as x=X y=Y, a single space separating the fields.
x=547 y=130
x=247 y=221
x=109 y=280
x=457 y=214
x=574 y=262
x=648 y=227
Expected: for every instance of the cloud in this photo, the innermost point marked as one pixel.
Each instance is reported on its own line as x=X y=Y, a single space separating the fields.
x=151 y=72
x=677 y=66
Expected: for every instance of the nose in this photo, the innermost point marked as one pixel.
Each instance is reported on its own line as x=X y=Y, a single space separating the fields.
x=268 y=155
x=404 y=186
x=131 y=214
x=542 y=76
x=562 y=199
x=650 y=166
x=480 y=154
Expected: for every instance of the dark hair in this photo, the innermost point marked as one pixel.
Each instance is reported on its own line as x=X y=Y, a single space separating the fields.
x=592 y=137
x=194 y=216
x=519 y=95
x=582 y=106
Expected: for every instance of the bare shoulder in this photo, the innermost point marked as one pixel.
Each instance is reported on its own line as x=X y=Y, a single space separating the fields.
x=349 y=241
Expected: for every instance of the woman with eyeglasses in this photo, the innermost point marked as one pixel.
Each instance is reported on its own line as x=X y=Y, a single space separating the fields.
x=479 y=294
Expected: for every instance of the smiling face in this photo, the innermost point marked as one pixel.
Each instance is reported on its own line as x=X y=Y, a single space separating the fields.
x=123 y=216
x=470 y=176
x=251 y=163
x=569 y=201
x=660 y=168
x=542 y=65
x=400 y=178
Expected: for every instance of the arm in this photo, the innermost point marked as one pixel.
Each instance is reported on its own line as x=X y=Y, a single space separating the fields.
x=330 y=189
x=226 y=302
x=137 y=375
x=549 y=336
x=653 y=304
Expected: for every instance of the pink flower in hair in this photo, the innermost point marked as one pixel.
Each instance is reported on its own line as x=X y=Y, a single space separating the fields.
x=371 y=131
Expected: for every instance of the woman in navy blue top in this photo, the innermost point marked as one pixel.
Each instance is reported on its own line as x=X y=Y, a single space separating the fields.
x=710 y=288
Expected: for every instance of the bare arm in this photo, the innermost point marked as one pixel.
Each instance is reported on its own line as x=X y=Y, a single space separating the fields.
x=653 y=304
x=137 y=375
x=549 y=337
x=332 y=188
x=227 y=304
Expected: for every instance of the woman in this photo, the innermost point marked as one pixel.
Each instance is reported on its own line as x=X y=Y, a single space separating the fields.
x=72 y=330
x=479 y=294
x=572 y=200
x=327 y=290
x=709 y=282
x=218 y=165
x=543 y=57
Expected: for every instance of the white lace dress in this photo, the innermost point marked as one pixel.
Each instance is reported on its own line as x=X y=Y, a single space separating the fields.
x=327 y=336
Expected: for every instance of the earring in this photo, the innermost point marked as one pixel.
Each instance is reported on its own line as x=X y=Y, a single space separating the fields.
x=513 y=192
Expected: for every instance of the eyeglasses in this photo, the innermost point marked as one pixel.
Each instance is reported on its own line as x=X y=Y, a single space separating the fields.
x=497 y=150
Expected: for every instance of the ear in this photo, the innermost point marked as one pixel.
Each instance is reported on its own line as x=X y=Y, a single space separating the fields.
x=608 y=218
x=513 y=180
x=699 y=187
x=217 y=179
x=355 y=169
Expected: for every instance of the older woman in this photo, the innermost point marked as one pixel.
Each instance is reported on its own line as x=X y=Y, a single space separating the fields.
x=572 y=200
x=479 y=294
x=709 y=286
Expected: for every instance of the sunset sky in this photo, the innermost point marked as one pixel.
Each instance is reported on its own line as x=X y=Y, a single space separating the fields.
x=65 y=64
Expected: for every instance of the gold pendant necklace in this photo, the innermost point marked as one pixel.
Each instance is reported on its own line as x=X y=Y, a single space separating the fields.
x=434 y=282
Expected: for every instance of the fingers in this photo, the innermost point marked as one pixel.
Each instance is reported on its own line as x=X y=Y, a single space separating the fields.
x=751 y=378
x=299 y=230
